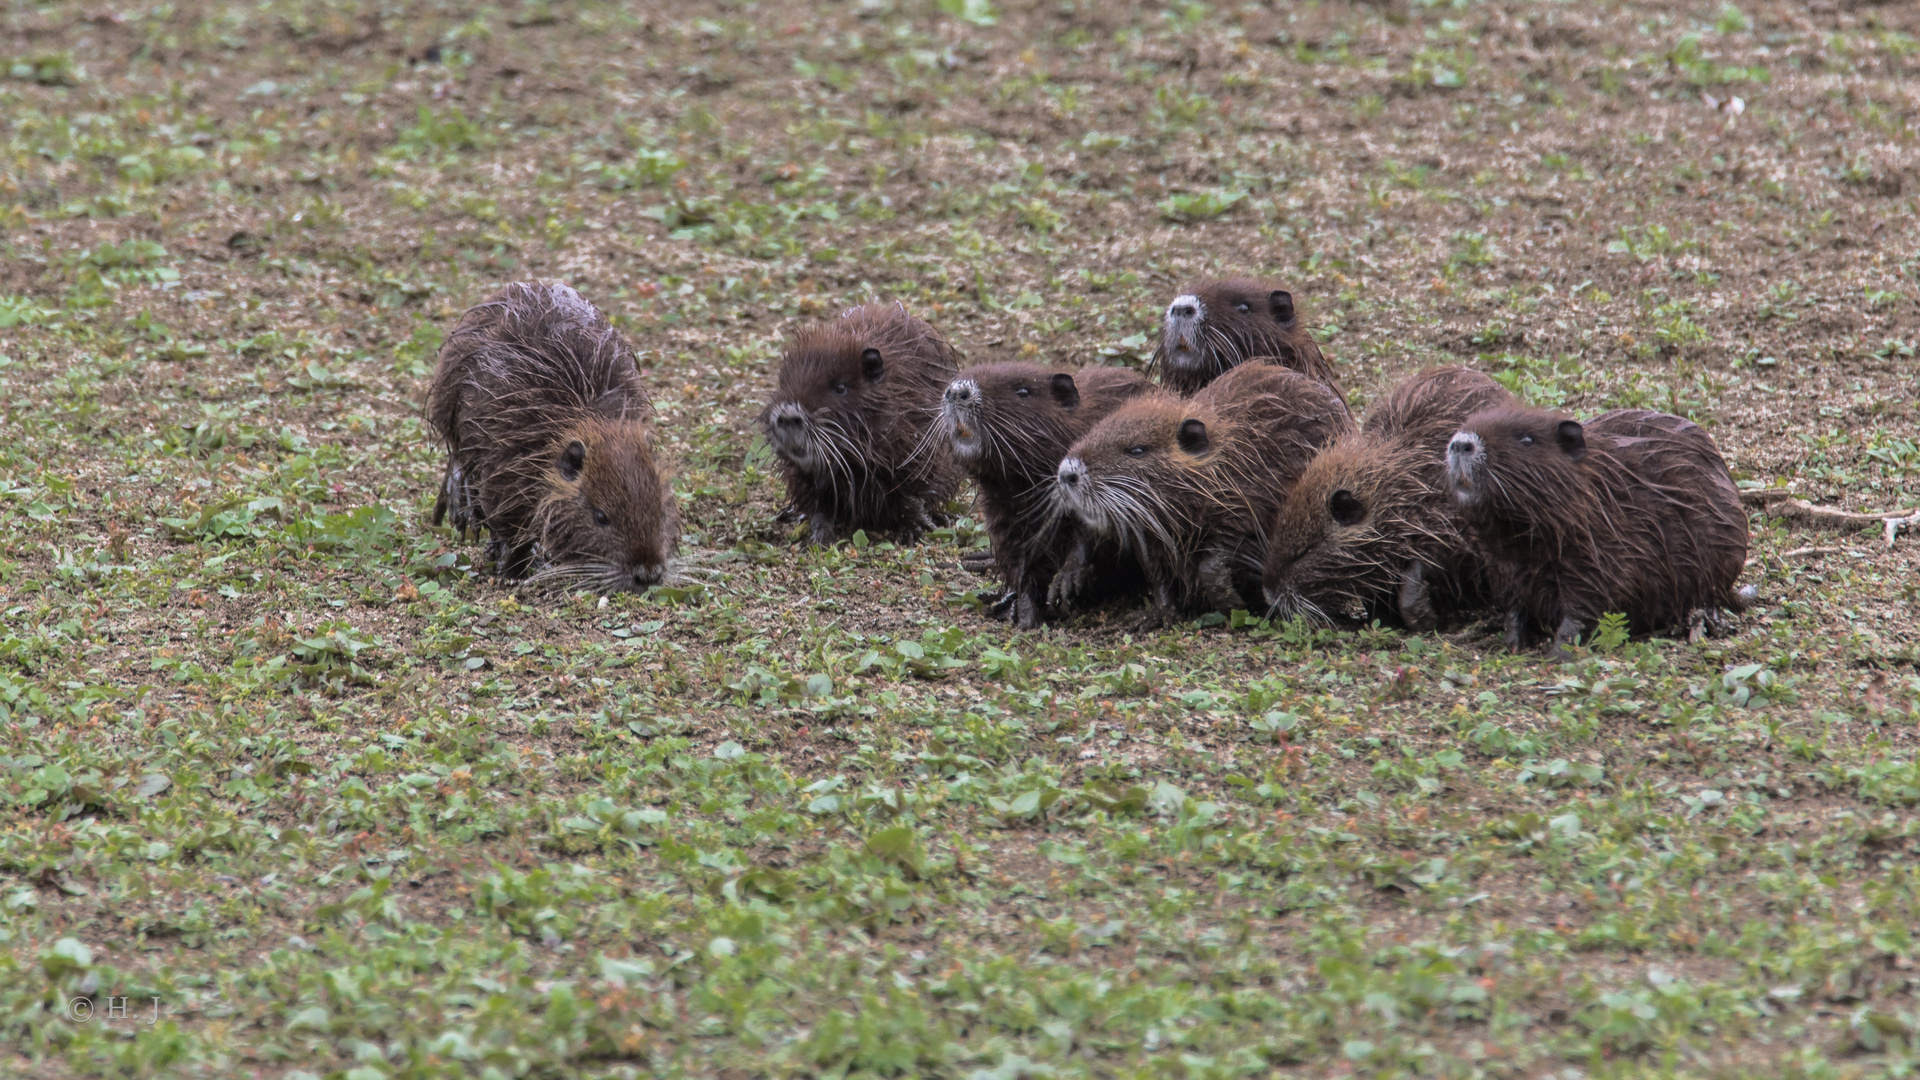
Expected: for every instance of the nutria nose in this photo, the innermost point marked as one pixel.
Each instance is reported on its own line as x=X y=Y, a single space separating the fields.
x=1071 y=470
x=960 y=392
x=1463 y=446
x=1182 y=311
x=787 y=420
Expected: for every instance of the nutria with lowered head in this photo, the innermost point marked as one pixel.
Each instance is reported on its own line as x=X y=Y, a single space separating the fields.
x=1368 y=531
x=851 y=423
x=1632 y=512
x=1190 y=485
x=539 y=403
x=1009 y=425
x=1214 y=326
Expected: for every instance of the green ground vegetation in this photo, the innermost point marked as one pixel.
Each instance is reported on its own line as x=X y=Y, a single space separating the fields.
x=278 y=754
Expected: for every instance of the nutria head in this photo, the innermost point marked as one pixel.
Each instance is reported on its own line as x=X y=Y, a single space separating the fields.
x=1013 y=422
x=1515 y=461
x=1375 y=504
x=1213 y=327
x=1127 y=476
x=819 y=420
x=1340 y=527
x=994 y=411
x=606 y=516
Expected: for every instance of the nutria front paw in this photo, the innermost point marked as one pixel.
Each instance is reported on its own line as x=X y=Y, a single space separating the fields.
x=1068 y=580
x=1416 y=600
x=1027 y=612
x=1564 y=636
x=1516 y=625
x=823 y=532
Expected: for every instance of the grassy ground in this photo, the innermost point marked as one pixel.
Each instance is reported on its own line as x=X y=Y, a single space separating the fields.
x=275 y=755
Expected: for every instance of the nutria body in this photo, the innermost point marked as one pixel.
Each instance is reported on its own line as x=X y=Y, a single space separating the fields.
x=1009 y=425
x=1369 y=531
x=1189 y=486
x=1631 y=512
x=851 y=423
x=1214 y=326
x=539 y=403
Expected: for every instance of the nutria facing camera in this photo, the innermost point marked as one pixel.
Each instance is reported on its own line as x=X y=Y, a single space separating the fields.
x=1368 y=532
x=1189 y=486
x=538 y=401
x=851 y=423
x=1632 y=512
x=1009 y=425
x=1214 y=326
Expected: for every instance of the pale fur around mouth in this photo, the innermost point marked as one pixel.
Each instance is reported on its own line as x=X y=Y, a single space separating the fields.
x=1463 y=474
x=963 y=428
x=793 y=445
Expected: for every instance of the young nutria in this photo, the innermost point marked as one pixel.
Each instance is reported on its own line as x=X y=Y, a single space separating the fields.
x=851 y=423
x=1632 y=512
x=1213 y=327
x=1009 y=425
x=1189 y=486
x=539 y=403
x=1368 y=530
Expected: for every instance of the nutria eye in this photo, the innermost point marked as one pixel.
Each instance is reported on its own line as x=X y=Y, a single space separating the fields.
x=1242 y=308
x=840 y=388
x=600 y=518
x=1345 y=509
x=1136 y=451
x=1021 y=392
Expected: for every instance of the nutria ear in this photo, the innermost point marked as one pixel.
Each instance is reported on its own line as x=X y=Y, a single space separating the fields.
x=573 y=459
x=1065 y=394
x=1346 y=509
x=1572 y=439
x=1280 y=302
x=872 y=366
x=1193 y=436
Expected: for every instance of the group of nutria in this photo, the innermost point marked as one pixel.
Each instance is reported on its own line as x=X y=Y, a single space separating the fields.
x=1240 y=480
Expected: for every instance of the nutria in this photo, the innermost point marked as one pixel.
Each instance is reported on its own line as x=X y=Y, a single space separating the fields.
x=1009 y=425
x=1190 y=485
x=851 y=423
x=1632 y=512
x=1213 y=327
x=538 y=401
x=1368 y=531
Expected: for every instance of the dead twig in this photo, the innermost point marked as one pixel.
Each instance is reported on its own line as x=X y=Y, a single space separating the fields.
x=1780 y=504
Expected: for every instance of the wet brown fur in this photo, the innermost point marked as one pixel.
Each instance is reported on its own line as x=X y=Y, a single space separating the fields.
x=1013 y=423
x=1228 y=336
x=1194 y=505
x=1632 y=512
x=539 y=403
x=1368 y=532
x=865 y=458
